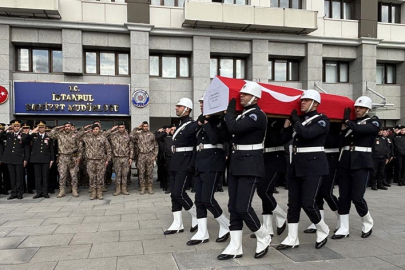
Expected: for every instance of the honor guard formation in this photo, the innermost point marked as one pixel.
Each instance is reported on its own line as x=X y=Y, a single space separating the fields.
x=248 y=151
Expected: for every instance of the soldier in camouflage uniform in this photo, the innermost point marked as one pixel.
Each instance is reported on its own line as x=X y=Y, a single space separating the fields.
x=123 y=152
x=148 y=150
x=69 y=157
x=98 y=154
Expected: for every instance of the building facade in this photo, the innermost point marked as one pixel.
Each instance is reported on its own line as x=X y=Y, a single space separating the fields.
x=173 y=48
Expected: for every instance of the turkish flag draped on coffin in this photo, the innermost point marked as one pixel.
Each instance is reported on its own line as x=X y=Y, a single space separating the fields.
x=276 y=100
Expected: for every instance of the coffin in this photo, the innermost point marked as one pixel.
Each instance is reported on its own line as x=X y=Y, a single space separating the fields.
x=276 y=100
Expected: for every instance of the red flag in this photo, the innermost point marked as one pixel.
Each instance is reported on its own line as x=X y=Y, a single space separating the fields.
x=3 y=95
x=281 y=100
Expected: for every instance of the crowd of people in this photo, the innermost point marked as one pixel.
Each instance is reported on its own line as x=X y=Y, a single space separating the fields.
x=64 y=158
x=247 y=151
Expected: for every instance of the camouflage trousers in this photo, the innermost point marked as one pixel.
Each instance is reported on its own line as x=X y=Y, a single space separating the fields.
x=96 y=171
x=145 y=168
x=121 y=168
x=83 y=176
x=67 y=167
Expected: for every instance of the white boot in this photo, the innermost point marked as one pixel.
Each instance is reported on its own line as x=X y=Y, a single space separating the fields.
x=292 y=238
x=368 y=223
x=234 y=249
x=263 y=242
x=177 y=225
x=268 y=224
x=312 y=228
x=343 y=229
x=281 y=218
x=337 y=221
x=223 y=234
x=202 y=235
x=194 y=222
x=322 y=233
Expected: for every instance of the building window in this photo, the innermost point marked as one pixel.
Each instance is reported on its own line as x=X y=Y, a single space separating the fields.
x=236 y=2
x=339 y=9
x=386 y=73
x=389 y=12
x=231 y=67
x=169 y=66
x=297 y=4
x=168 y=3
x=39 y=60
x=335 y=72
x=106 y=63
x=283 y=70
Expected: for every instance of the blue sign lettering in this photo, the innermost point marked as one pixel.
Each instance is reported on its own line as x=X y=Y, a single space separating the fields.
x=71 y=99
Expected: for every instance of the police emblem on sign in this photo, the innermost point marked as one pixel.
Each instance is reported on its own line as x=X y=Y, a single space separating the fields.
x=140 y=98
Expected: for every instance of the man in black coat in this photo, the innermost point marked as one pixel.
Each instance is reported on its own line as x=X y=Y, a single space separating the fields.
x=16 y=156
x=247 y=132
x=4 y=179
x=399 y=149
x=381 y=155
x=308 y=165
x=42 y=157
x=182 y=167
x=209 y=165
x=356 y=165
x=29 y=174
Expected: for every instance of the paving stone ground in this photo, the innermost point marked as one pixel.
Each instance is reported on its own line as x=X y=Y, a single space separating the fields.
x=126 y=232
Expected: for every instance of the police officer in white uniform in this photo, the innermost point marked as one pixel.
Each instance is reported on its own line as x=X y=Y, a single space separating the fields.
x=246 y=168
x=356 y=165
x=308 y=165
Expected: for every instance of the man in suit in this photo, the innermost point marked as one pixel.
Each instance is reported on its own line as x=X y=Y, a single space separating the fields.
x=16 y=156
x=42 y=157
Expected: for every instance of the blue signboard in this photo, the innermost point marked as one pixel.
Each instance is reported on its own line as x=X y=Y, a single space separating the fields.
x=48 y=98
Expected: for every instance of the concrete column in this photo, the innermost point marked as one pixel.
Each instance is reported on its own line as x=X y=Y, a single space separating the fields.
x=72 y=51
x=363 y=69
x=139 y=73
x=311 y=66
x=6 y=68
x=401 y=80
x=259 y=69
x=200 y=69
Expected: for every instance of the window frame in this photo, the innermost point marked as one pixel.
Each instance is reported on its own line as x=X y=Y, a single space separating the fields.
x=288 y=61
x=162 y=3
x=385 y=73
x=160 y=63
x=338 y=71
x=234 y=59
x=289 y=4
x=390 y=6
x=342 y=10
x=31 y=60
x=116 y=62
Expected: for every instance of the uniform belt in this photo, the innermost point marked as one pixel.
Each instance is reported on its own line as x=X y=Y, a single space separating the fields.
x=331 y=150
x=274 y=149
x=358 y=149
x=309 y=149
x=247 y=147
x=209 y=146
x=182 y=149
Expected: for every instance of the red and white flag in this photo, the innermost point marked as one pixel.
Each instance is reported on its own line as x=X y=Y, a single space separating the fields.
x=275 y=100
x=3 y=95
